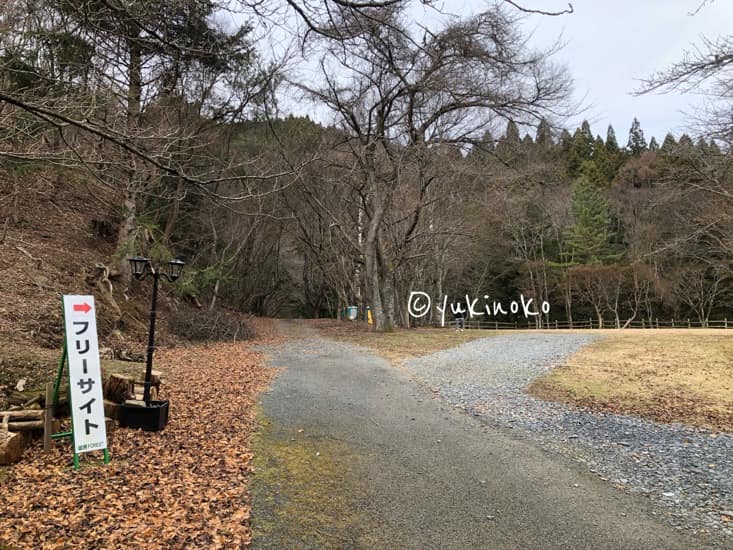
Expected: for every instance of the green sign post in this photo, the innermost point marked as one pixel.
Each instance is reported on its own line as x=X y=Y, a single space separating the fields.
x=80 y=359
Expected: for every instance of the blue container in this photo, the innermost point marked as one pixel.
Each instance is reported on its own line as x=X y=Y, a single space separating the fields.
x=352 y=312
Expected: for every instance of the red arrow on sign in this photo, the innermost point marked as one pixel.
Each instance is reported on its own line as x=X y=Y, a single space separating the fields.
x=82 y=307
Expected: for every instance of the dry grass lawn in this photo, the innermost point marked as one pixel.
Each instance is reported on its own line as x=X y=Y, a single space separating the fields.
x=666 y=375
x=400 y=344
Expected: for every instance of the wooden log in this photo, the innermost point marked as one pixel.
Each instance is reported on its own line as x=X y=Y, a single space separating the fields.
x=155 y=378
x=27 y=414
x=35 y=400
x=140 y=391
x=48 y=418
x=118 y=388
x=111 y=409
x=25 y=426
x=110 y=425
x=12 y=446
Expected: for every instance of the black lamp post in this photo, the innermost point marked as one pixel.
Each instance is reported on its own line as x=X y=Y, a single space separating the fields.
x=141 y=267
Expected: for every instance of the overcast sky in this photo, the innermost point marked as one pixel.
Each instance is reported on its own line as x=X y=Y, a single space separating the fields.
x=610 y=46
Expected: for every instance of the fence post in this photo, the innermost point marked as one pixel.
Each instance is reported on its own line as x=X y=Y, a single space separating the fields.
x=673 y=323
x=725 y=323
x=515 y=324
x=496 y=325
x=657 y=322
x=688 y=323
x=726 y=326
x=590 y=321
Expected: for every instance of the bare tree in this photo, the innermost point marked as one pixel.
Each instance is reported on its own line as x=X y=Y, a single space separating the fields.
x=398 y=97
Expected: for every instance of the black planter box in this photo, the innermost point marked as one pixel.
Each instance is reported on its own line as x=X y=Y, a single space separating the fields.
x=151 y=419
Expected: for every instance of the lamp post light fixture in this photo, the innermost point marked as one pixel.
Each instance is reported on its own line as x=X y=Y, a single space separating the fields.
x=141 y=267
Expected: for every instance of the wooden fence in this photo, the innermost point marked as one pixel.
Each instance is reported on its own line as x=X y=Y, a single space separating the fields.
x=589 y=323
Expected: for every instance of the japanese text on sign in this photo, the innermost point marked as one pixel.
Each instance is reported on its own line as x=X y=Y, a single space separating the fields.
x=85 y=378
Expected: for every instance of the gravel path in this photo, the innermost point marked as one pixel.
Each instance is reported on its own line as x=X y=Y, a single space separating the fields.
x=686 y=472
x=351 y=453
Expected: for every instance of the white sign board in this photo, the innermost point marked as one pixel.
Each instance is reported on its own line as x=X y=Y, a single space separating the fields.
x=85 y=376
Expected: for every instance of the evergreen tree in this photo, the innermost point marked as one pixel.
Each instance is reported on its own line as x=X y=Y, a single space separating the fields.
x=566 y=140
x=511 y=136
x=714 y=149
x=599 y=148
x=484 y=148
x=653 y=145
x=637 y=143
x=508 y=146
x=669 y=144
x=604 y=161
x=544 y=135
x=611 y=143
x=591 y=170
x=685 y=146
x=581 y=149
x=591 y=235
x=702 y=146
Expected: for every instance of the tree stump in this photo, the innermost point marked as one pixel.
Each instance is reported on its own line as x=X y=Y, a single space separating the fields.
x=111 y=409
x=12 y=446
x=118 y=388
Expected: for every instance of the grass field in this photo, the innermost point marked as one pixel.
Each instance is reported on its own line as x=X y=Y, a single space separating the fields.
x=666 y=375
x=401 y=343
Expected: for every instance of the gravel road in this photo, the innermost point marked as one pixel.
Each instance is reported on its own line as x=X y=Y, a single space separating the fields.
x=687 y=473
x=352 y=453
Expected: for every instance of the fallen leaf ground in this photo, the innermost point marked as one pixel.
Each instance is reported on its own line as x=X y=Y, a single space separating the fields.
x=183 y=487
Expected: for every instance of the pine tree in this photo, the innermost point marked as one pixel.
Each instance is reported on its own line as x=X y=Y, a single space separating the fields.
x=637 y=143
x=611 y=143
x=508 y=146
x=591 y=236
x=544 y=135
x=653 y=145
x=604 y=161
x=511 y=135
x=566 y=140
x=685 y=146
x=669 y=144
x=702 y=146
x=581 y=149
x=484 y=148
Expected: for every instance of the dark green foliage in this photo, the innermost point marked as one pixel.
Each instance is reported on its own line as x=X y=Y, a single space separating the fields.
x=669 y=144
x=508 y=146
x=566 y=140
x=637 y=143
x=591 y=235
x=544 y=135
x=611 y=142
x=581 y=149
x=653 y=145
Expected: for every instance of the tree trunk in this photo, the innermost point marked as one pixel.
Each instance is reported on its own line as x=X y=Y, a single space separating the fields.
x=125 y=238
x=173 y=213
x=373 y=279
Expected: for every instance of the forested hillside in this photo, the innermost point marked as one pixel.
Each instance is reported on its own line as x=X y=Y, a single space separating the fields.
x=446 y=166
